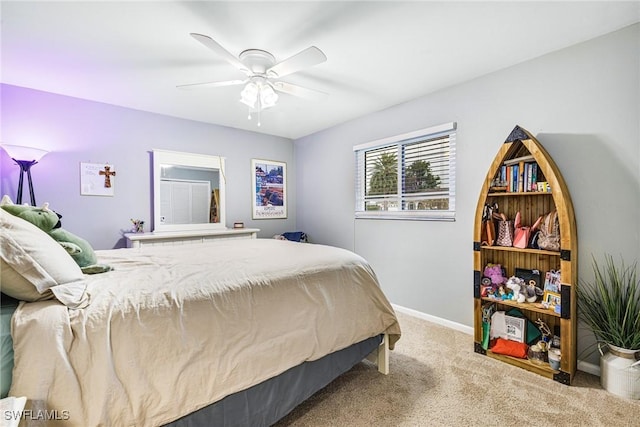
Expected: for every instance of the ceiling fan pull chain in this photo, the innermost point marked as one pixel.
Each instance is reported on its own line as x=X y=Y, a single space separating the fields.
x=259 y=102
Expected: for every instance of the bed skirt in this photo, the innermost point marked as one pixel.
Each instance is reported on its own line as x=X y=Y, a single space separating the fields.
x=267 y=402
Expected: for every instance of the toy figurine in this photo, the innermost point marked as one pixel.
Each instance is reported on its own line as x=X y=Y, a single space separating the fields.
x=138 y=225
x=517 y=286
x=494 y=272
x=544 y=329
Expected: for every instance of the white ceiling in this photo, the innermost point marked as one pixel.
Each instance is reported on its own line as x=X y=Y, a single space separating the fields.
x=380 y=54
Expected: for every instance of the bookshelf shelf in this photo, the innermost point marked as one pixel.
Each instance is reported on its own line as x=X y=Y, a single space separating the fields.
x=519 y=193
x=523 y=306
x=523 y=148
x=543 y=370
x=525 y=250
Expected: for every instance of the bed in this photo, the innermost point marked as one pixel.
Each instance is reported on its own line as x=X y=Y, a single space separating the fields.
x=234 y=332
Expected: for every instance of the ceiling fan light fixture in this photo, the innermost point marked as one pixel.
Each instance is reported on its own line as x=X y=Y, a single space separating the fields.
x=259 y=66
x=268 y=97
x=249 y=94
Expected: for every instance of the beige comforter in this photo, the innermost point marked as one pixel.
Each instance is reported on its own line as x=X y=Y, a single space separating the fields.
x=175 y=328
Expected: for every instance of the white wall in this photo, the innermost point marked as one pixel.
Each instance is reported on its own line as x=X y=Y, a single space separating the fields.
x=76 y=130
x=582 y=105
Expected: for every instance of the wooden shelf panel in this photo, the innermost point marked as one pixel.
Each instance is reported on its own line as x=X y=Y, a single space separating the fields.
x=526 y=250
x=541 y=369
x=519 y=193
x=523 y=306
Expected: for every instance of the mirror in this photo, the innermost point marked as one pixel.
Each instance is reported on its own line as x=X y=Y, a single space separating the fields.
x=188 y=191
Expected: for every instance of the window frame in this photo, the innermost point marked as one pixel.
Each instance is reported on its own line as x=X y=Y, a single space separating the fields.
x=398 y=142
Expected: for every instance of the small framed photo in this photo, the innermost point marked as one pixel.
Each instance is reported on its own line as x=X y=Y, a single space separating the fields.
x=552 y=281
x=269 y=189
x=515 y=328
x=551 y=298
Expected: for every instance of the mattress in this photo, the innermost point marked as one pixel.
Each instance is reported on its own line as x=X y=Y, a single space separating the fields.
x=173 y=329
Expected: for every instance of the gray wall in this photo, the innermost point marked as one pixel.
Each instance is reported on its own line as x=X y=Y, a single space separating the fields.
x=76 y=130
x=582 y=105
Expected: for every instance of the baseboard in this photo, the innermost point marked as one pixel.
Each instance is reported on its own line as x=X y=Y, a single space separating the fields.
x=434 y=319
x=587 y=367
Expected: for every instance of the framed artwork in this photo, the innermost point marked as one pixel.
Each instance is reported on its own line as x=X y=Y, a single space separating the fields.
x=552 y=281
x=551 y=298
x=269 y=188
x=97 y=179
x=515 y=328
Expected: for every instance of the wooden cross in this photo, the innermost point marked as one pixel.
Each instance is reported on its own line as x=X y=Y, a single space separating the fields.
x=107 y=176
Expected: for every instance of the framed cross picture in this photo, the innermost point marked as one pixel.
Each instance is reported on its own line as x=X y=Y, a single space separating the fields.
x=269 y=189
x=97 y=179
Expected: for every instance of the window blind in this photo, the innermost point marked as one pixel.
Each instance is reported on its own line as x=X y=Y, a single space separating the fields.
x=411 y=176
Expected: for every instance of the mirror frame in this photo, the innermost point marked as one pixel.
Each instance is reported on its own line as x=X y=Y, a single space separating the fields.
x=163 y=157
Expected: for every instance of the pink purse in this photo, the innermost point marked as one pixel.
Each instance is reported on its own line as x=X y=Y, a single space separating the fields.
x=521 y=234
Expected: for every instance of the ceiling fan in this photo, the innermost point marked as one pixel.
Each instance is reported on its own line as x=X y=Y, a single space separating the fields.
x=263 y=74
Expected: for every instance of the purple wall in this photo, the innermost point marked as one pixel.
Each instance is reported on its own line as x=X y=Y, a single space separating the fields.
x=76 y=130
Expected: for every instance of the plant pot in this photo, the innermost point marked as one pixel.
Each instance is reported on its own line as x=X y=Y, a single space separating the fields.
x=620 y=371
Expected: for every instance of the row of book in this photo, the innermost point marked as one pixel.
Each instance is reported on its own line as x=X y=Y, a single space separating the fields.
x=520 y=175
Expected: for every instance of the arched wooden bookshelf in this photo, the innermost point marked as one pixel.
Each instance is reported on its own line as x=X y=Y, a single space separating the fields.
x=531 y=205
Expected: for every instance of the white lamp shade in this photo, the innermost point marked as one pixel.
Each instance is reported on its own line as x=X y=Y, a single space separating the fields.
x=20 y=152
x=268 y=97
x=249 y=94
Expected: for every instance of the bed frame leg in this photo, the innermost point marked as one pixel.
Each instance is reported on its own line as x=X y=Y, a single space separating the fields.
x=380 y=356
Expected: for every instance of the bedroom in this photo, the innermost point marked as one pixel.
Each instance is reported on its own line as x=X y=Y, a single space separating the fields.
x=580 y=100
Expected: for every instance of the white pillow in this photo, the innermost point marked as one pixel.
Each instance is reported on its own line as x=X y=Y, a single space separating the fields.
x=13 y=284
x=33 y=262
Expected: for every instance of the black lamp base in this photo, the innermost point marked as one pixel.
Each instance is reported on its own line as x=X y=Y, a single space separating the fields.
x=25 y=167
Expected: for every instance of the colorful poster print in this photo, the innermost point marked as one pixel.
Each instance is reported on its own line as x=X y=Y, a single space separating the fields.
x=269 y=187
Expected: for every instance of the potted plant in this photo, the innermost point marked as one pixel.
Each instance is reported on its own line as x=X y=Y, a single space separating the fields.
x=610 y=306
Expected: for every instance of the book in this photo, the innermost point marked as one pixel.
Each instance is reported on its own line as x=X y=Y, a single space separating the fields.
x=521 y=177
x=534 y=177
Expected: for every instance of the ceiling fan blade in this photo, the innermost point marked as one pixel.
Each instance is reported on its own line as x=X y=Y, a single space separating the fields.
x=300 y=91
x=212 y=84
x=219 y=50
x=307 y=58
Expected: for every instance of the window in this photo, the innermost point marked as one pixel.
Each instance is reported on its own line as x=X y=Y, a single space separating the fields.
x=410 y=176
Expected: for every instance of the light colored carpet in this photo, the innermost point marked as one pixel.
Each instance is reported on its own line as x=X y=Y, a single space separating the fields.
x=436 y=379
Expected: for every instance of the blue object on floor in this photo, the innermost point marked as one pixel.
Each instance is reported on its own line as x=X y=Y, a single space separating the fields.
x=295 y=236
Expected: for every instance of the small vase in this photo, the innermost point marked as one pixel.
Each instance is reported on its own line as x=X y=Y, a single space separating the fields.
x=620 y=371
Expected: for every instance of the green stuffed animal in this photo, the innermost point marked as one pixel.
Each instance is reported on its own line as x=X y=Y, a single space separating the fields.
x=49 y=222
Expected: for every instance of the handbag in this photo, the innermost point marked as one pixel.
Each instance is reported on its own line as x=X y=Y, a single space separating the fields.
x=535 y=231
x=488 y=236
x=521 y=233
x=505 y=231
x=549 y=236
